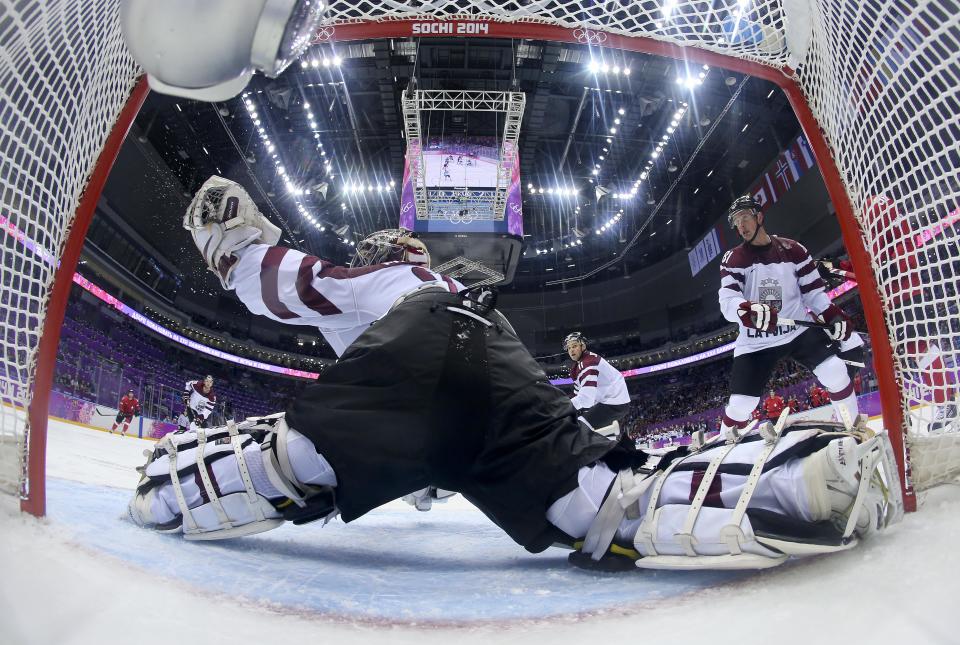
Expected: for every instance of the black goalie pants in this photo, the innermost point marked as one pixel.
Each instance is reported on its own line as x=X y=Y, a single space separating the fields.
x=429 y=396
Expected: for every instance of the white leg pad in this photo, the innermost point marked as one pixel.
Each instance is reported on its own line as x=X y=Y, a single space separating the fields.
x=205 y=478
x=671 y=529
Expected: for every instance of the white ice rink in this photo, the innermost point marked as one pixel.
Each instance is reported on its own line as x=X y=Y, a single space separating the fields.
x=85 y=574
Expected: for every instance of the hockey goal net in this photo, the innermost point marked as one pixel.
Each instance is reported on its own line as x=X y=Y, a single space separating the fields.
x=874 y=85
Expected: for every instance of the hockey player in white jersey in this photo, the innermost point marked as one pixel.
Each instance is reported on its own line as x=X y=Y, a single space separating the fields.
x=763 y=278
x=471 y=411
x=199 y=400
x=600 y=391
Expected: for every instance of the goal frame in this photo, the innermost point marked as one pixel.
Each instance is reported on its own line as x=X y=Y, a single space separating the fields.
x=853 y=238
x=33 y=500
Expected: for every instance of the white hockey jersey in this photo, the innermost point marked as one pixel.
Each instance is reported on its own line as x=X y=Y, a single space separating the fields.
x=781 y=274
x=597 y=381
x=299 y=289
x=199 y=401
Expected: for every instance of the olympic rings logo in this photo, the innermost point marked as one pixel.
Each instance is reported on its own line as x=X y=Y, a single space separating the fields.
x=590 y=37
x=463 y=217
x=323 y=34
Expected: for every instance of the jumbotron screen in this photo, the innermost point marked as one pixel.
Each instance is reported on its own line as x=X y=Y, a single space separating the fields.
x=461 y=175
x=461 y=162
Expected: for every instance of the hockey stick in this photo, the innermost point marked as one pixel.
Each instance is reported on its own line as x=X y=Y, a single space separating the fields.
x=803 y=323
x=105 y=414
x=816 y=325
x=840 y=273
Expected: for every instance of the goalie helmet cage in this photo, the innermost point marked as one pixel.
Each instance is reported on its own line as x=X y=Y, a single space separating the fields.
x=874 y=86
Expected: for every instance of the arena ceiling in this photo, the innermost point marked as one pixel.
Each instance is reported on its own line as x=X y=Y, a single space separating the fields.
x=334 y=122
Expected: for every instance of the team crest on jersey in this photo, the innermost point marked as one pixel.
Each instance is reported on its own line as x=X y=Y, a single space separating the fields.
x=771 y=293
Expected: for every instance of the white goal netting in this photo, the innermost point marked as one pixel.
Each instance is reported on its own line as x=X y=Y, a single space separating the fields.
x=879 y=77
x=65 y=74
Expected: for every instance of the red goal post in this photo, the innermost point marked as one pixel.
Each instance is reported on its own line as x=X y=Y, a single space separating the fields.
x=874 y=86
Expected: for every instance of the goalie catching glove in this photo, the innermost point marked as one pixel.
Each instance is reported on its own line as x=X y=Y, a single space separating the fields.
x=757 y=316
x=223 y=220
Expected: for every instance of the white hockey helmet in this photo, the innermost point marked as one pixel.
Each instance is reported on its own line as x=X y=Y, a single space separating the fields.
x=391 y=245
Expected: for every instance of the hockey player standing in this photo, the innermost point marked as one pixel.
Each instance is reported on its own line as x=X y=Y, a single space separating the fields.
x=773 y=405
x=128 y=407
x=600 y=391
x=199 y=399
x=471 y=411
x=765 y=276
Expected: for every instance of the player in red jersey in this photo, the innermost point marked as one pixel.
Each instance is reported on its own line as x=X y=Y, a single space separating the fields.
x=128 y=407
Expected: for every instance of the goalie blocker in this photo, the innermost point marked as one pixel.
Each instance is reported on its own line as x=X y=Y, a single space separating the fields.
x=774 y=492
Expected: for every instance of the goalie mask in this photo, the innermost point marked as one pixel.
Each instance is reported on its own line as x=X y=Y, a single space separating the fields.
x=391 y=245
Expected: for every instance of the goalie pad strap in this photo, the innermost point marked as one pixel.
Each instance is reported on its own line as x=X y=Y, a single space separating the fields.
x=212 y=493
x=732 y=534
x=244 y=471
x=685 y=537
x=276 y=462
x=188 y=522
x=648 y=528
x=621 y=500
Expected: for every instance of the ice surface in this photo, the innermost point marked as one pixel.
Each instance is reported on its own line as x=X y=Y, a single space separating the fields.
x=85 y=574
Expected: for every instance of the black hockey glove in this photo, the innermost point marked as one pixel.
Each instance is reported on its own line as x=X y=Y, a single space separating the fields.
x=842 y=324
